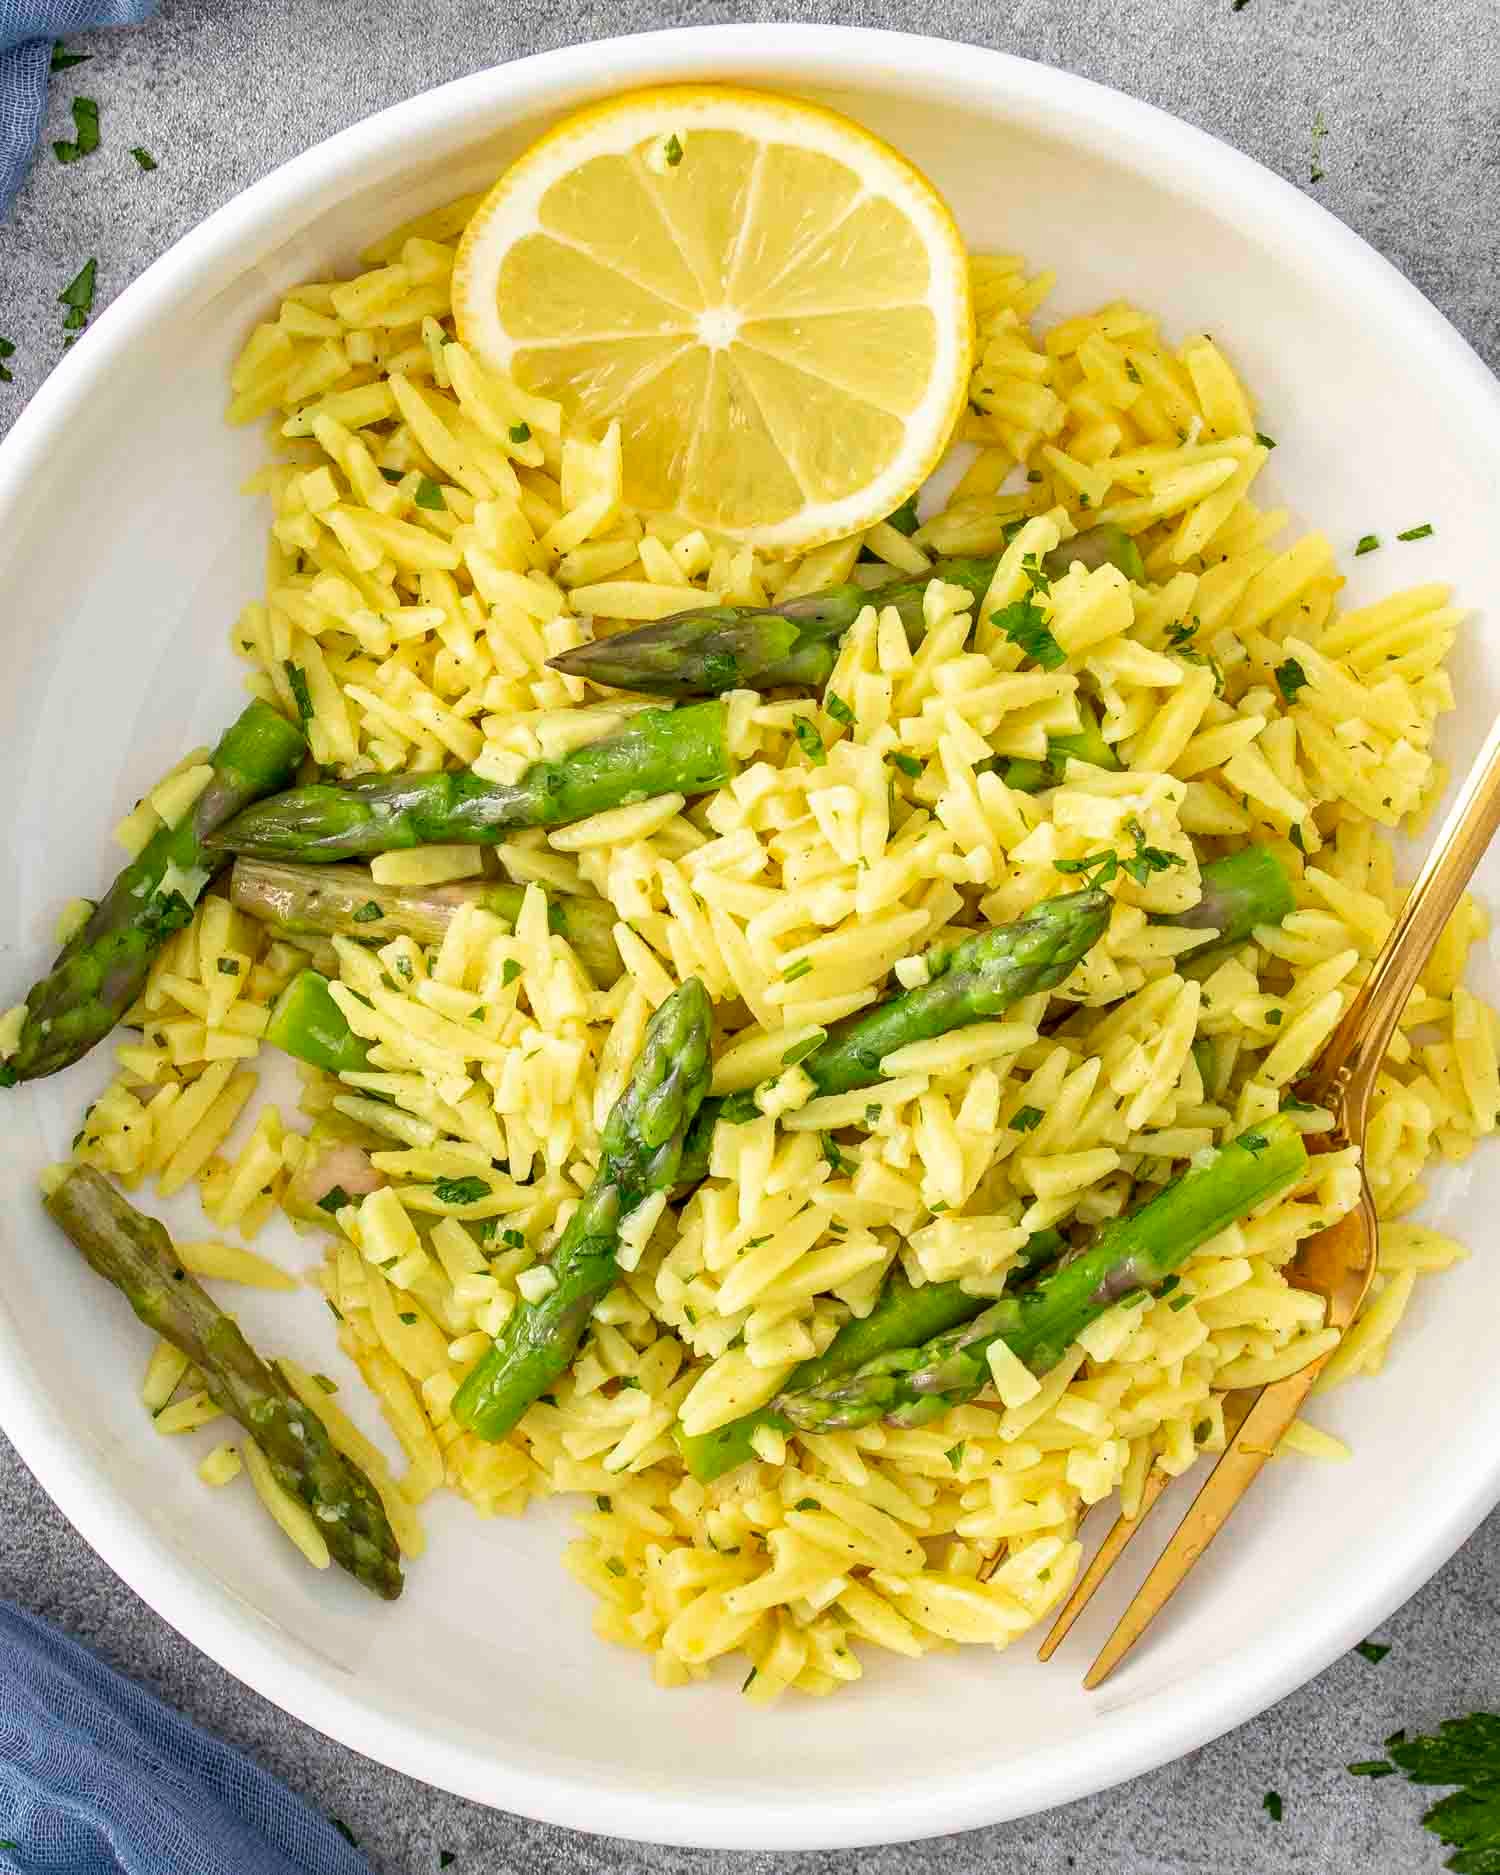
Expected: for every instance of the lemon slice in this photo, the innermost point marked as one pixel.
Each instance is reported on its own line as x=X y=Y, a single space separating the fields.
x=772 y=302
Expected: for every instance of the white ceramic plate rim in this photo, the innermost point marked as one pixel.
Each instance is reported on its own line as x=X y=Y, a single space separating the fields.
x=1127 y=1742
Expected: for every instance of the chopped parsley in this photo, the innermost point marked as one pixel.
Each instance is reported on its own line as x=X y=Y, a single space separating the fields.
x=78 y=297
x=1179 y=1302
x=302 y=696
x=1367 y=543
x=1298 y=839
x=601 y=1503
x=748 y=1680
x=393 y=476
x=344 y=1830
x=1098 y=868
x=513 y=1240
x=1271 y=1802
x=672 y=150
x=872 y=1114
x=509 y=971
x=1025 y=1119
x=1417 y=533
x=1275 y=1017
x=908 y=764
x=802 y=968
x=1464 y=1752
x=614 y=1565
x=408 y=1316
x=955 y=1454
x=328 y=1386
x=1319 y=132
x=810 y=742
x=1266 y=442
x=63 y=60
x=1290 y=678
x=1146 y=860
x=228 y=967
x=799 y=1051
x=520 y=432
x=446 y=1858
x=1022 y=623
x=1181 y=635
x=460 y=1190
x=1254 y=1143
x=368 y=912
x=143 y=157
x=1131 y=372
x=832 y=1154
x=7 y=350
x=429 y=495
x=805 y=1503
x=838 y=709
x=1371 y=1767
x=85 y=132
x=1373 y=1651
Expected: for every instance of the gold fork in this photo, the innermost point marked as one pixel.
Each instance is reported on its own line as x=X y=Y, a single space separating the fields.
x=1338 y=1263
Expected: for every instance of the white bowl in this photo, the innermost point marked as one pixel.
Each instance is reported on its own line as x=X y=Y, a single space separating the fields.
x=124 y=556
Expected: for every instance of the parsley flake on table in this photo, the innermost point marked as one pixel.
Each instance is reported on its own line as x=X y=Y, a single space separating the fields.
x=1463 y=1752
x=85 y=132
x=1316 y=171
x=1022 y=623
x=62 y=59
x=143 y=157
x=1271 y=1804
x=7 y=350
x=1373 y=1651
x=78 y=297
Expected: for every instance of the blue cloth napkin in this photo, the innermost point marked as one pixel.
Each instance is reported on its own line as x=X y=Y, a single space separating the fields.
x=99 y=1777
x=27 y=31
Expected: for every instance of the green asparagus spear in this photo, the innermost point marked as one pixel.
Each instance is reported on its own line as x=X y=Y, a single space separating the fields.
x=135 y=1253
x=1132 y=1255
x=306 y=1022
x=902 y=1317
x=101 y=970
x=344 y=901
x=711 y=649
x=967 y=982
x=640 y=1151
x=1087 y=744
x=657 y=752
x=1240 y=891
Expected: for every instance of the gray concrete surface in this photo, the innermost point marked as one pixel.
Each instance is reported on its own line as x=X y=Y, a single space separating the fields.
x=222 y=90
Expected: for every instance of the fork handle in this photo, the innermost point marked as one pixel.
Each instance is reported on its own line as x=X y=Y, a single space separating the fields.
x=1352 y=1055
x=1238 y=1466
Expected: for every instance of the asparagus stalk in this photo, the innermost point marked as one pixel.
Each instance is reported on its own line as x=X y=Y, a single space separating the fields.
x=1131 y=1256
x=1240 y=891
x=101 y=970
x=306 y=1022
x=902 y=1317
x=641 y=1149
x=711 y=649
x=344 y=901
x=967 y=982
x=135 y=1253
x=1087 y=744
x=657 y=752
